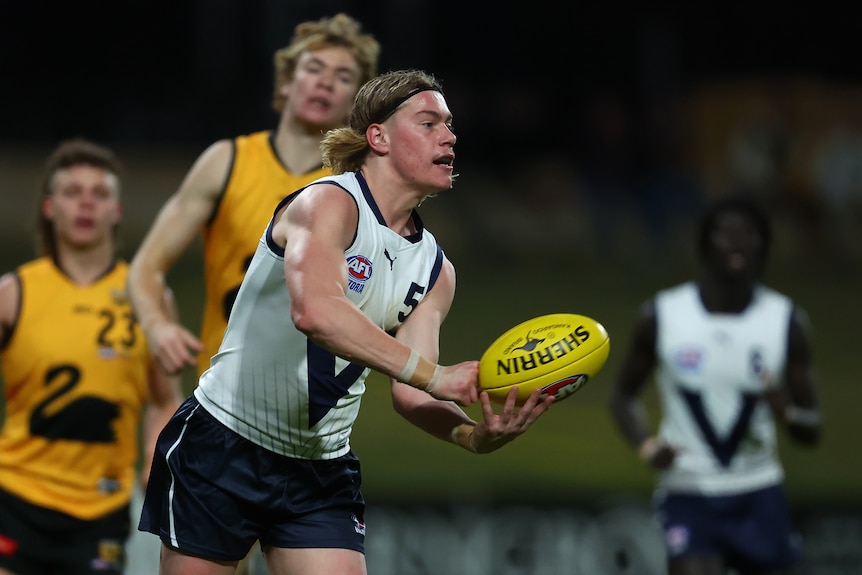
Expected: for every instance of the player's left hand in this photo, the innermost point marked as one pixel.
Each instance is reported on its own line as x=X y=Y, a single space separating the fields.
x=496 y=430
x=773 y=394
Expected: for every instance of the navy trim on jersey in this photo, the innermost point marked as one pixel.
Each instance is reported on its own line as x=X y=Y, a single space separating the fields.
x=414 y=215
x=366 y=192
x=416 y=236
x=284 y=201
x=438 y=265
x=274 y=247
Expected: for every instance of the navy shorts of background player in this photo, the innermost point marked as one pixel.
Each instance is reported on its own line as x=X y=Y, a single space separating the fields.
x=756 y=525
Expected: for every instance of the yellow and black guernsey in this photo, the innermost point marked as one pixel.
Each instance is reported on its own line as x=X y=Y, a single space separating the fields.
x=75 y=372
x=257 y=182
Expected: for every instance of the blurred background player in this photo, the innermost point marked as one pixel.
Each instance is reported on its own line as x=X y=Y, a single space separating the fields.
x=229 y=192
x=261 y=450
x=78 y=380
x=730 y=356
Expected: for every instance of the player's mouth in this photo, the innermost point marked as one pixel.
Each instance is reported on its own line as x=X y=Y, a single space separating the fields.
x=737 y=261
x=447 y=160
x=320 y=103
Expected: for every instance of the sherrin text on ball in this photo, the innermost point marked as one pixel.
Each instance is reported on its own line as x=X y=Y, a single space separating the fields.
x=558 y=353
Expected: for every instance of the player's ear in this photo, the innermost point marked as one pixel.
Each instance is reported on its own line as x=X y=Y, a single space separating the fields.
x=47 y=207
x=284 y=89
x=377 y=138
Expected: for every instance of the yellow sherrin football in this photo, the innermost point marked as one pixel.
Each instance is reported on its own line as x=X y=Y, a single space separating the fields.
x=558 y=353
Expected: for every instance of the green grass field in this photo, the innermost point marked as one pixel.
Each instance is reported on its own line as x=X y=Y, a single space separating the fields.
x=574 y=454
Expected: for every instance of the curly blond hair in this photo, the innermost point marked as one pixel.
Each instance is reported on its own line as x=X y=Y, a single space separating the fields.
x=339 y=30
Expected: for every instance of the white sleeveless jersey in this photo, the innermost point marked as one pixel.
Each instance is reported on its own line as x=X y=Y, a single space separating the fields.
x=708 y=376
x=275 y=387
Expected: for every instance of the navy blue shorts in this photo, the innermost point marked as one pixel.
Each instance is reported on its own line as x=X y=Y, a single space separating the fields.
x=37 y=540
x=212 y=493
x=750 y=531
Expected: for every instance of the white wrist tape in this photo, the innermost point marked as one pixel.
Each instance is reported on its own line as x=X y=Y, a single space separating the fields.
x=435 y=377
x=410 y=367
x=463 y=435
x=419 y=372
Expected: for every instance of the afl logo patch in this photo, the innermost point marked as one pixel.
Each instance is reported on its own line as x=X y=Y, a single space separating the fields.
x=359 y=268
x=359 y=271
x=688 y=358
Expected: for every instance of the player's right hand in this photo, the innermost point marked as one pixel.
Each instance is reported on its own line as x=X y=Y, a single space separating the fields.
x=497 y=429
x=458 y=383
x=657 y=453
x=664 y=457
x=173 y=346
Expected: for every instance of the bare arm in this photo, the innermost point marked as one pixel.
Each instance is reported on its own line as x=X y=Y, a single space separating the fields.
x=165 y=397
x=10 y=300
x=795 y=403
x=315 y=230
x=635 y=372
x=178 y=223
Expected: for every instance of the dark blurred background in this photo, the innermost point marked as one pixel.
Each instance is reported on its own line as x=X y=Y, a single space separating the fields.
x=590 y=134
x=630 y=114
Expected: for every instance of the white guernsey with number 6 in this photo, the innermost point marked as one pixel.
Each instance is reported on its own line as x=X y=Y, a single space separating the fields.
x=558 y=353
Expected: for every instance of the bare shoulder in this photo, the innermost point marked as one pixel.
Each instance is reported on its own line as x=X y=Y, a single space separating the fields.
x=443 y=290
x=208 y=175
x=217 y=153
x=800 y=333
x=188 y=209
x=9 y=286
x=10 y=297
x=645 y=328
x=322 y=208
x=447 y=278
x=647 y=313
x=322 y=201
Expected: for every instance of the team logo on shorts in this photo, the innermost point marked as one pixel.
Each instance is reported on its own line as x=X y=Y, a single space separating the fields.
x=677 y=537
x=359 y=271
x=8 y=546
x=112 y=556
x=358 y=526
